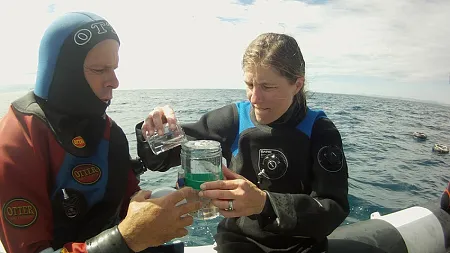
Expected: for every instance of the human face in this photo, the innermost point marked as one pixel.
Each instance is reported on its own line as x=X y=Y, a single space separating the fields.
x=99 y=69
x=270 y=93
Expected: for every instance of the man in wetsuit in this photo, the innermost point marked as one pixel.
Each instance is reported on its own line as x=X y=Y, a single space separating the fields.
x=66 y=177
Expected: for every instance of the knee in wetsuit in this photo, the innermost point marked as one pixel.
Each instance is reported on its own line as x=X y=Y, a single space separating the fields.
x=445 y=199
x=170 y=248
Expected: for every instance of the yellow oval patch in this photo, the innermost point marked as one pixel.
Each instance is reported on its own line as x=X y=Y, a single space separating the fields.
x=79 y=142
x=86 y=173
x=20 y=213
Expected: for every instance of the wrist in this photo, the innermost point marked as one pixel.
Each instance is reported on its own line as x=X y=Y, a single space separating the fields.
x=268 y=215
x=262 y=203
x=125 y=232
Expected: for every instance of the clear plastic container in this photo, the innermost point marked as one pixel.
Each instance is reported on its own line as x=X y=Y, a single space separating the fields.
x=201 y=161
x=170 y=139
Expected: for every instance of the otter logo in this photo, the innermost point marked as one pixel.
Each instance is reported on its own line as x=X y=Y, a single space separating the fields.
x=272 y=163
x=84 y=35
x=20 y=213
x=331 y=158
x=86 y=173
x=100 y=26
x=79 y=142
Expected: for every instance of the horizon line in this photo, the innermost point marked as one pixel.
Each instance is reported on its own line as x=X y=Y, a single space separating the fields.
x=243 y=89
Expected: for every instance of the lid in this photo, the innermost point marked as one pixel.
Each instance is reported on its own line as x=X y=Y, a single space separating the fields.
x=201 y=147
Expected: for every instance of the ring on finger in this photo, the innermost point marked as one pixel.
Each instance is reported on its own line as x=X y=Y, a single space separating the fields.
x=230 y=206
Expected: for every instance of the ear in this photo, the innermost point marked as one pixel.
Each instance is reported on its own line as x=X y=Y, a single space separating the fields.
x=299 y=84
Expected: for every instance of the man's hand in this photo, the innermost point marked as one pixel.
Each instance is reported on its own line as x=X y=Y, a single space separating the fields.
x=152 y=222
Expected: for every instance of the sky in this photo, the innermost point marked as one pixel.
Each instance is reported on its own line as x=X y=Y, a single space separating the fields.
x=395 y=48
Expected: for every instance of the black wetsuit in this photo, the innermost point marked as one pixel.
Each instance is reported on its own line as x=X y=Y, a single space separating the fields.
x=445 y=202
x=298 y=160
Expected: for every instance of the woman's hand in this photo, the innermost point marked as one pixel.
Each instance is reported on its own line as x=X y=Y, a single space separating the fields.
x=156 y=119
x=247 y=199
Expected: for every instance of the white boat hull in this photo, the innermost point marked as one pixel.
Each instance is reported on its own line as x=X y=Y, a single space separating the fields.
x=416 y=229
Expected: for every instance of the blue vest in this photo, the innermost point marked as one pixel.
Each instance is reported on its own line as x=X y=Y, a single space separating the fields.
x=245 y=122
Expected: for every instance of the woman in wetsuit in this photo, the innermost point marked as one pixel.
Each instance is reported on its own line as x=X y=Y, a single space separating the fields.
x=290 y=187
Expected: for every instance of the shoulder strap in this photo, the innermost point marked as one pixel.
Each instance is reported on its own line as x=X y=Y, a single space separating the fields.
x=28 y=105
x=243 y=110
x=306 y=125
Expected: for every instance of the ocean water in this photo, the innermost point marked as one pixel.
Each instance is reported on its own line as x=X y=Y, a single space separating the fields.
x=388 y=169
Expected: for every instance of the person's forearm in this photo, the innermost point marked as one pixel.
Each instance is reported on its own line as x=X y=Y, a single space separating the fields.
x=302 y=215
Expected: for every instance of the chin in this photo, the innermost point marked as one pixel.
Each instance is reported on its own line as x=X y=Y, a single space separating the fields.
x=108 y=102
x=263 y=120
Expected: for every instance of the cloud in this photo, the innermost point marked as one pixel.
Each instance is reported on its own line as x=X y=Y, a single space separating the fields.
x=246 y=2
x=394 y=48
x=21 y=24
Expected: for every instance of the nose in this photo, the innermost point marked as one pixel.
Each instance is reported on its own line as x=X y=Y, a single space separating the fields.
x=255 y=94
x=113 y=82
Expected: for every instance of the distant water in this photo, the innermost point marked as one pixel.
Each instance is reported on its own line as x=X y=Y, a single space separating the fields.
x=388 y=169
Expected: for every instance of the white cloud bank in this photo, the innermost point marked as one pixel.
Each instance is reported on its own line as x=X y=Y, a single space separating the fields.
x=398 y=48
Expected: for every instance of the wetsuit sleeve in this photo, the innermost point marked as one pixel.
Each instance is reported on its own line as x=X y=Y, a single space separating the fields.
x=220 y=125
x=318 y=214
x=25 y=181
x=24 y=184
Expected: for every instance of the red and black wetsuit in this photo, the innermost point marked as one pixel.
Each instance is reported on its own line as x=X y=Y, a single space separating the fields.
x=66 y=175
x=35 y=169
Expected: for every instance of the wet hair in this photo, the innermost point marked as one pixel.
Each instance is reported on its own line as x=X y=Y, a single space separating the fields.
x=282 y=53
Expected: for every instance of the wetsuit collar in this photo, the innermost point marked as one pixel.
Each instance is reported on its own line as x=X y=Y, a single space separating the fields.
x=291 y=118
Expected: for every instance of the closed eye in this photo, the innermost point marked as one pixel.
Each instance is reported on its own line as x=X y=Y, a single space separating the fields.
x=101 y=69
x=98 y=71
x=267 y=87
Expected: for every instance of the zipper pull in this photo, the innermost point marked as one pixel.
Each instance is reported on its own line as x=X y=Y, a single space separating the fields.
x=260 y=174
x=66 y=196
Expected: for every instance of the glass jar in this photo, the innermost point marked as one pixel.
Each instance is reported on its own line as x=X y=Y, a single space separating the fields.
x=170 y=139
x=201 y=161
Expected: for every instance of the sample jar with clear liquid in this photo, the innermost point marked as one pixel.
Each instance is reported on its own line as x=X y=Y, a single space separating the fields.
x=201 y=161
x=170 y=139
